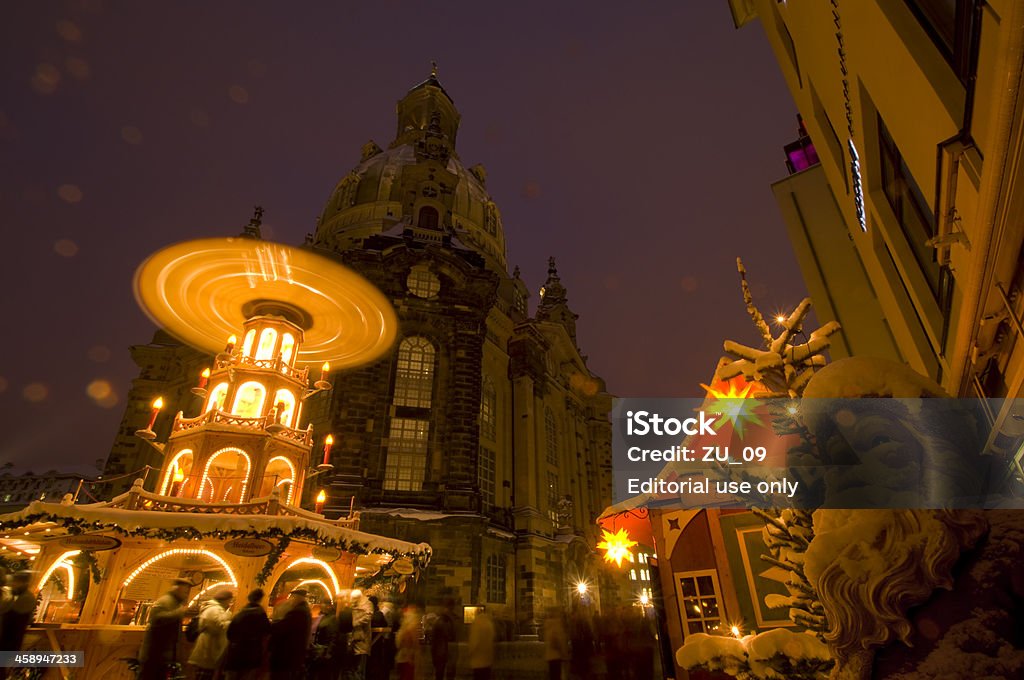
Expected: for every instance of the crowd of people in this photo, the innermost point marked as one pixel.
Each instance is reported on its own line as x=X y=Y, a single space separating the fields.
x=356 y=639
x=351 y=639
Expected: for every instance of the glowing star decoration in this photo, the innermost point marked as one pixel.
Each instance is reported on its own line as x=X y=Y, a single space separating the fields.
x=616 y=546
x=734 y=405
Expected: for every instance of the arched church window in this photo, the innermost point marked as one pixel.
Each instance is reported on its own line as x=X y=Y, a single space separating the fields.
x=429 y=218
x=414 y=377
x=249 y=400
x=407 y=454
x=423 y=283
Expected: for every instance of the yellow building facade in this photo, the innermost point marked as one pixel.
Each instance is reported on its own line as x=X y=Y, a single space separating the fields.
x=909 y=229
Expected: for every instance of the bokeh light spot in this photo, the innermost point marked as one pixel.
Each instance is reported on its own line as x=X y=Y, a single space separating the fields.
x=46 y=79
x=78 y=67
x=238 y=94
x=531 y=190
x=69 y=31
x=131 y=134
x=35 y=392
x=98 y=389
x=65 y=247
x=689 y=284
x=70 y=193
x=98 y=353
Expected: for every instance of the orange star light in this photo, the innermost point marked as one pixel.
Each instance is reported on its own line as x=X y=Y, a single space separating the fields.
x=616 y=546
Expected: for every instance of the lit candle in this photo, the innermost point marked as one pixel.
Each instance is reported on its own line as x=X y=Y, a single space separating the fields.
x=179 y=477
x=328 y=443
x=321 y=498
x=231 y=344
x=323 y=371
x=157 y=405
x=204 y=377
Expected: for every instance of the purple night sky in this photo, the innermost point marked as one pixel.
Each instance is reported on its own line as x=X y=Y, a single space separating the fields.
x=636 y=145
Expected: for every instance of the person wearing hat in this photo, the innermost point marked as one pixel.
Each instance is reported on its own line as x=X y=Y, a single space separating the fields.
x=159 y=649
x=16 y=610
x=214 y=618
x=289 y=638
x=247 y=640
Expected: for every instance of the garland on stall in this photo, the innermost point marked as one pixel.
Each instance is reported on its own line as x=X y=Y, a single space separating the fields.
x=76 y=526
x=272 y=559
x=11 y=566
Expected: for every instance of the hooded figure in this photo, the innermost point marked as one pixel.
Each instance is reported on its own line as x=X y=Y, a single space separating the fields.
x=160 y=644
x=247 y=637
x=362 y=615
x=289 y=637
x=214 y=618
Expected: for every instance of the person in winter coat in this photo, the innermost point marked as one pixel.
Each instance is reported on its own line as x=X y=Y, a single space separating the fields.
x=359 y=641
x=342 y=648
x=382 y=644
x=289 y=637
x=247 y=640
x=481 y=645
x=407 y=643
x=442 y=643
x=159 y=650
x=556 y=643
x=214 y=617
x=16 y=609
x=323 y=662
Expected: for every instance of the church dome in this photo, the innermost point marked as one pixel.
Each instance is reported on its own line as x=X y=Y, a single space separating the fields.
x=417 y=183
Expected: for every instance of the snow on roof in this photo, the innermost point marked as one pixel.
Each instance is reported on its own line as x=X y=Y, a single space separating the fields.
x=151 y=523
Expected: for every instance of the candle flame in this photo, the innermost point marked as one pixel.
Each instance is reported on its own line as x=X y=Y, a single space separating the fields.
x=321 y=497
x=179 y=476
x=329 y=439
x=326 y=367
x=158 y=403
x=232 y=340
x=205 y=373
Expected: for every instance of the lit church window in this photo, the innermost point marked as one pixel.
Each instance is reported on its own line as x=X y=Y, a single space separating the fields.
x=421 y=282
x=249 y=400
x=217 y=396
x=268 y=338
x=488 y=409
x=407 y=454
x=414 y=379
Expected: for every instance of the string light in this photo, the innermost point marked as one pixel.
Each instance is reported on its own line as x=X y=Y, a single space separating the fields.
x=181 y=551
x=245 y=479
x=207 y=589
x=323 y=565
x=315 y=582
x=62 y=562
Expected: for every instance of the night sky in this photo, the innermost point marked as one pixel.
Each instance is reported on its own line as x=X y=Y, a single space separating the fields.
x=636 y=144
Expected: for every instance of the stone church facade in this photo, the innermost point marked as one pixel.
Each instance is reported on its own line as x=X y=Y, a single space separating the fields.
x=483 y=432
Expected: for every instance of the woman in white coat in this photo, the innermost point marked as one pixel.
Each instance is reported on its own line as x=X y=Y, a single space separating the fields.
x=214 y=618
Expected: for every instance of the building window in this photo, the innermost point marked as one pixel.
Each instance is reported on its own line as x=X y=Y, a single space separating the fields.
x=414 y=380
x=913 y=214
x=421 y=282
x=551 y=436
x=699 y=601
x=486 y=473
x=950 y=25
x=407 y=454
x=428 y=218
x=488 y=410
x=496 y=579
x=553 y=498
